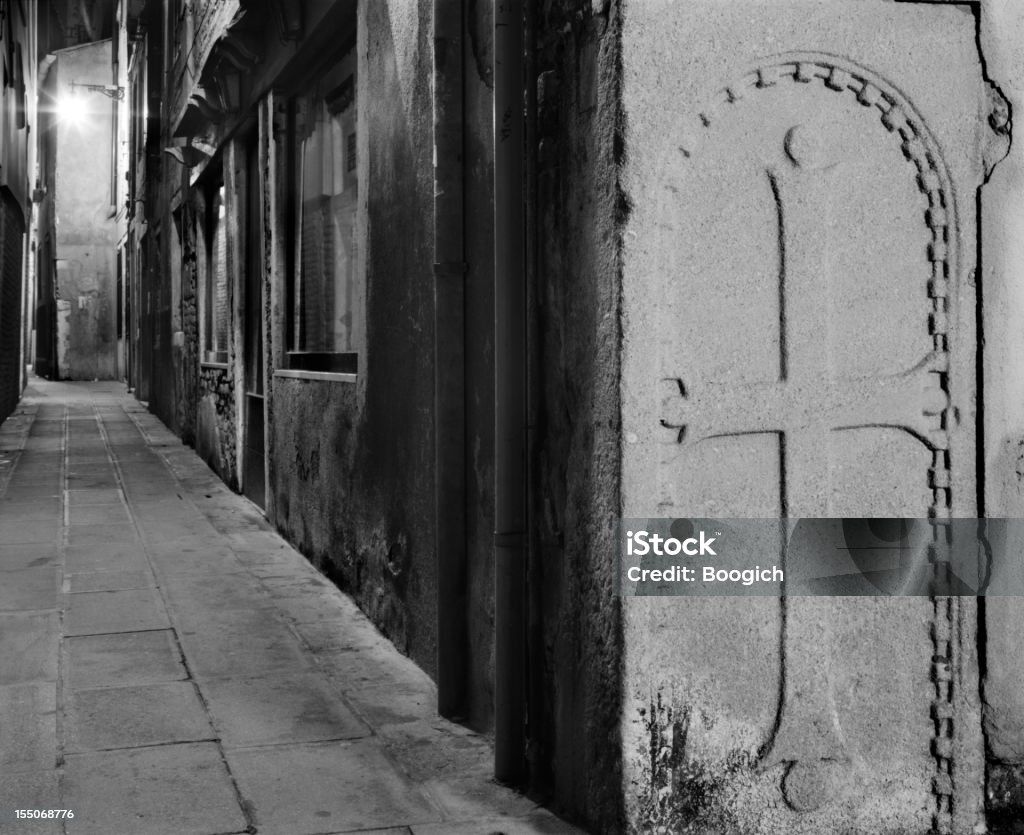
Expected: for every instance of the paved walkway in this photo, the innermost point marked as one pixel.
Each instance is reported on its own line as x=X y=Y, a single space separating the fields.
x=168 y=664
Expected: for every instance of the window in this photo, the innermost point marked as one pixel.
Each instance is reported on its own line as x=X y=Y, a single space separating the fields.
x=214 y=273
x=326 y=295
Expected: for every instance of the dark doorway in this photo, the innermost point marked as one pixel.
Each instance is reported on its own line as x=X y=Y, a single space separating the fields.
x=254 y=464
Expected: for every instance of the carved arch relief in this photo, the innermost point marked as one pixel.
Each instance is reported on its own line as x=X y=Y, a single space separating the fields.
x=802 y=399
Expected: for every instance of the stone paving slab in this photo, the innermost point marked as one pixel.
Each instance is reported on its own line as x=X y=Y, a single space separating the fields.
x=134 y=717
x=28 y=647
x=86 y=581
x=94 y=496
x=95 y=613
x=29 y=588
x=123 y=658
x=278 y=709
x=18 y=557
x=221 y=591
x=99 y=556
x=105 y=535
x=103 y=514
x=164 y=790
x=29 y=532
x=311 y=789
x=28 y=727
x=11 y=514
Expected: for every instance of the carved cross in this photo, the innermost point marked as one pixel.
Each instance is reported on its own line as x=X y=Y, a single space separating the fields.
x=803 y=407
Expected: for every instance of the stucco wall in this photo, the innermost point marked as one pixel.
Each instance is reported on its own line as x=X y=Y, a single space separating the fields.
x=85 y=231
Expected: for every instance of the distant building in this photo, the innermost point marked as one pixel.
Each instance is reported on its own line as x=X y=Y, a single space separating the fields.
x=76 y=265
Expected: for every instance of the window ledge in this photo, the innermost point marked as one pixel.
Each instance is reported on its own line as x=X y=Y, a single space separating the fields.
x=325 y=376
x=211 y=364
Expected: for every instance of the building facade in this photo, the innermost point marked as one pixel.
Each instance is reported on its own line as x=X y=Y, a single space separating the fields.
x=17 y=160
x=446 y=291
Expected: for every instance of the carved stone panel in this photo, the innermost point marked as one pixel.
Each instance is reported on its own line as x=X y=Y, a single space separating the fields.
x=799 y=341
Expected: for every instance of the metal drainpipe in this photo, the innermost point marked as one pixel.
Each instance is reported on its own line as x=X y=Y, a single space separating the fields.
x=449 y=361
x=510 y=362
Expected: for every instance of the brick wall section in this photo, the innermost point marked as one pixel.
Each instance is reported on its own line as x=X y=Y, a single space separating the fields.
x=11 y=242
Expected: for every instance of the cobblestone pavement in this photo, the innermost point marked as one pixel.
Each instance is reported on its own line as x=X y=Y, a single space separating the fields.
x=170 y=665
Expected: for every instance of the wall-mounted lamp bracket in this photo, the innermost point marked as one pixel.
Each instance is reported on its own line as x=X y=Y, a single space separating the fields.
x=111 y=91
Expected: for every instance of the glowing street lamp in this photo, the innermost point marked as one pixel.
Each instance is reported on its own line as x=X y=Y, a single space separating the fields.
x=72 y=108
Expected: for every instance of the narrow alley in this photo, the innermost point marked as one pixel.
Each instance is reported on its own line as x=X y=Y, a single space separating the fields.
x=172 y=665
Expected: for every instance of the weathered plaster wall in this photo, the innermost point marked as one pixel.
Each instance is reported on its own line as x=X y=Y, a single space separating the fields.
x=352 y=463
x=85 y=232
x=576 y=616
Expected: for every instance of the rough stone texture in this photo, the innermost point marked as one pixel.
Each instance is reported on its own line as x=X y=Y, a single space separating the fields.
x=798 y=340
x=215 y=421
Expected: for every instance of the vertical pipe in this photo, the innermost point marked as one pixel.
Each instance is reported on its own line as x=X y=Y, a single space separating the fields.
x=510 y=391
x=449 y=361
